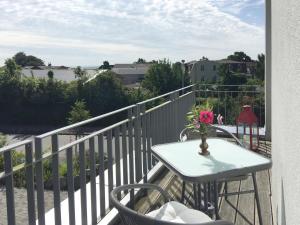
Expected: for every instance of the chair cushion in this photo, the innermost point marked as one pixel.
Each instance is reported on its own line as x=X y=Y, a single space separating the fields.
x=179 y=213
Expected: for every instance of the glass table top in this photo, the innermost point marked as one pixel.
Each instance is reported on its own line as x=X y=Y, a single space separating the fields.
x=225 y=159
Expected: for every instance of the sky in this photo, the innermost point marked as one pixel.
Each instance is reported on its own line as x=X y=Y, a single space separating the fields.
x=87 y=32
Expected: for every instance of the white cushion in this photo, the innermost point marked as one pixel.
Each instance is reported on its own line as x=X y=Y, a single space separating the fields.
x=179 y=213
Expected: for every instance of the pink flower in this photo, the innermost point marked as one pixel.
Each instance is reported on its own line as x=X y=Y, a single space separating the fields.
x=206 y=117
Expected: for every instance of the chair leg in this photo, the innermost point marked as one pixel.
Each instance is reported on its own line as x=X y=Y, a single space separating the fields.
x=216 y=199
x=226 y=190
x=182 y=192
x=257 y=199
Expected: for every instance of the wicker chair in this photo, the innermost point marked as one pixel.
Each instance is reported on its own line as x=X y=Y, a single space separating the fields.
x=156 y=217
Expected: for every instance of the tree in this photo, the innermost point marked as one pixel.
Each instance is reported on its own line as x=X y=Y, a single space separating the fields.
x=78 y=113
x=140 y=60
x=104 y=93
x=260 y=70
x=2 y=140
x=23 y=60
x=240 y=57
x=50 y=74
x=12 y=70
x=105 y=66
x=80 y=73
x=161 y=78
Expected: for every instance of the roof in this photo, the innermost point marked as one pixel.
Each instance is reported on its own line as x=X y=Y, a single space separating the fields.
x=228 y=61
x=130 y=71
x=132 y=65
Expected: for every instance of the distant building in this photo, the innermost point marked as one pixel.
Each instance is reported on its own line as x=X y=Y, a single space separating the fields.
x=207 y=70
x=60 y=72
x=131 y=74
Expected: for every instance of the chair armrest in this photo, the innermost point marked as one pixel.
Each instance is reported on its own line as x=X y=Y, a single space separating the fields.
x=117 y=190
x=217 y=222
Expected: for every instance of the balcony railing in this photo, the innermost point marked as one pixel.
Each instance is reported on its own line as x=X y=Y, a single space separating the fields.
x=115 y=155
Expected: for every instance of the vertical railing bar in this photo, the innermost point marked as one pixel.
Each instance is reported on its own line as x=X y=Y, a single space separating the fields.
x=93 y=180
x=117 y=157
x=124 y=155
x=137 y=144
x=144 y=152
x=110 y=163
x=55 y=179
x=9 y=185
x=30 y=184
x=148 y=133
x=82 y=183
x=39 y=181
x=70 y=182
x=101 y=175
x=130 y=135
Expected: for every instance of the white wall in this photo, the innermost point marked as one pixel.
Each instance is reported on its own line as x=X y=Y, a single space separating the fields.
x=286 y=110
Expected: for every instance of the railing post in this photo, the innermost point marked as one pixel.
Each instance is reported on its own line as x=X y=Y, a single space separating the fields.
x=9 y=185
x=137 y=143
x=39 y=181
x=30 y=184
x=55 y=179
x=93 y=180
x=101 y=175
x=144 y=140
x=82 y=174
x=130 y=145
x=70 y=181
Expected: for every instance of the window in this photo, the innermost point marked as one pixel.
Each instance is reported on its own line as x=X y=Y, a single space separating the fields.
x=214 y=68
x=202 y=67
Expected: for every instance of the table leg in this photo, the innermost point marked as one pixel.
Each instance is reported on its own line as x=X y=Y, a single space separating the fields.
x=257 y=199
x=199 y=197
x=195 y=196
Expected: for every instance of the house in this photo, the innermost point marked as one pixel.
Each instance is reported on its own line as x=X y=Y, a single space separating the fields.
x=131 y=74
x=62 y=73
x=207 y=70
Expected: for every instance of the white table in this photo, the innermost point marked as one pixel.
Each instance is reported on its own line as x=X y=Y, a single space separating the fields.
x=225 y=160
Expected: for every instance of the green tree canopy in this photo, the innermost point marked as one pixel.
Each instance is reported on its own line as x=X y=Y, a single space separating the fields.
x=80 y=73
x=11 y=69
x=140 y=60
x=104 y=93
x=260 y=70
x=162 y=77
x=240 y=57
x=78 y=113
x=105 y=66
x=2 y=140
x=23 y=60
x=50 y=74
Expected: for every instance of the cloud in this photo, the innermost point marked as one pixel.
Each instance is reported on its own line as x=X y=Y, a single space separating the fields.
x=137 y=28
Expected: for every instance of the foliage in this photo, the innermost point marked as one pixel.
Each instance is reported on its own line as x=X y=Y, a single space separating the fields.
x=23 y=60
x=162 y=78
x=105 y=93
x=199 y=117
x=105 y=66
x=80 y=73
x=140 y=60
x=138 y=95
x=2 y=140
x=78 y=112
x=50 y=74
x=12 y=70
x=240 y=57
x=260 y=70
